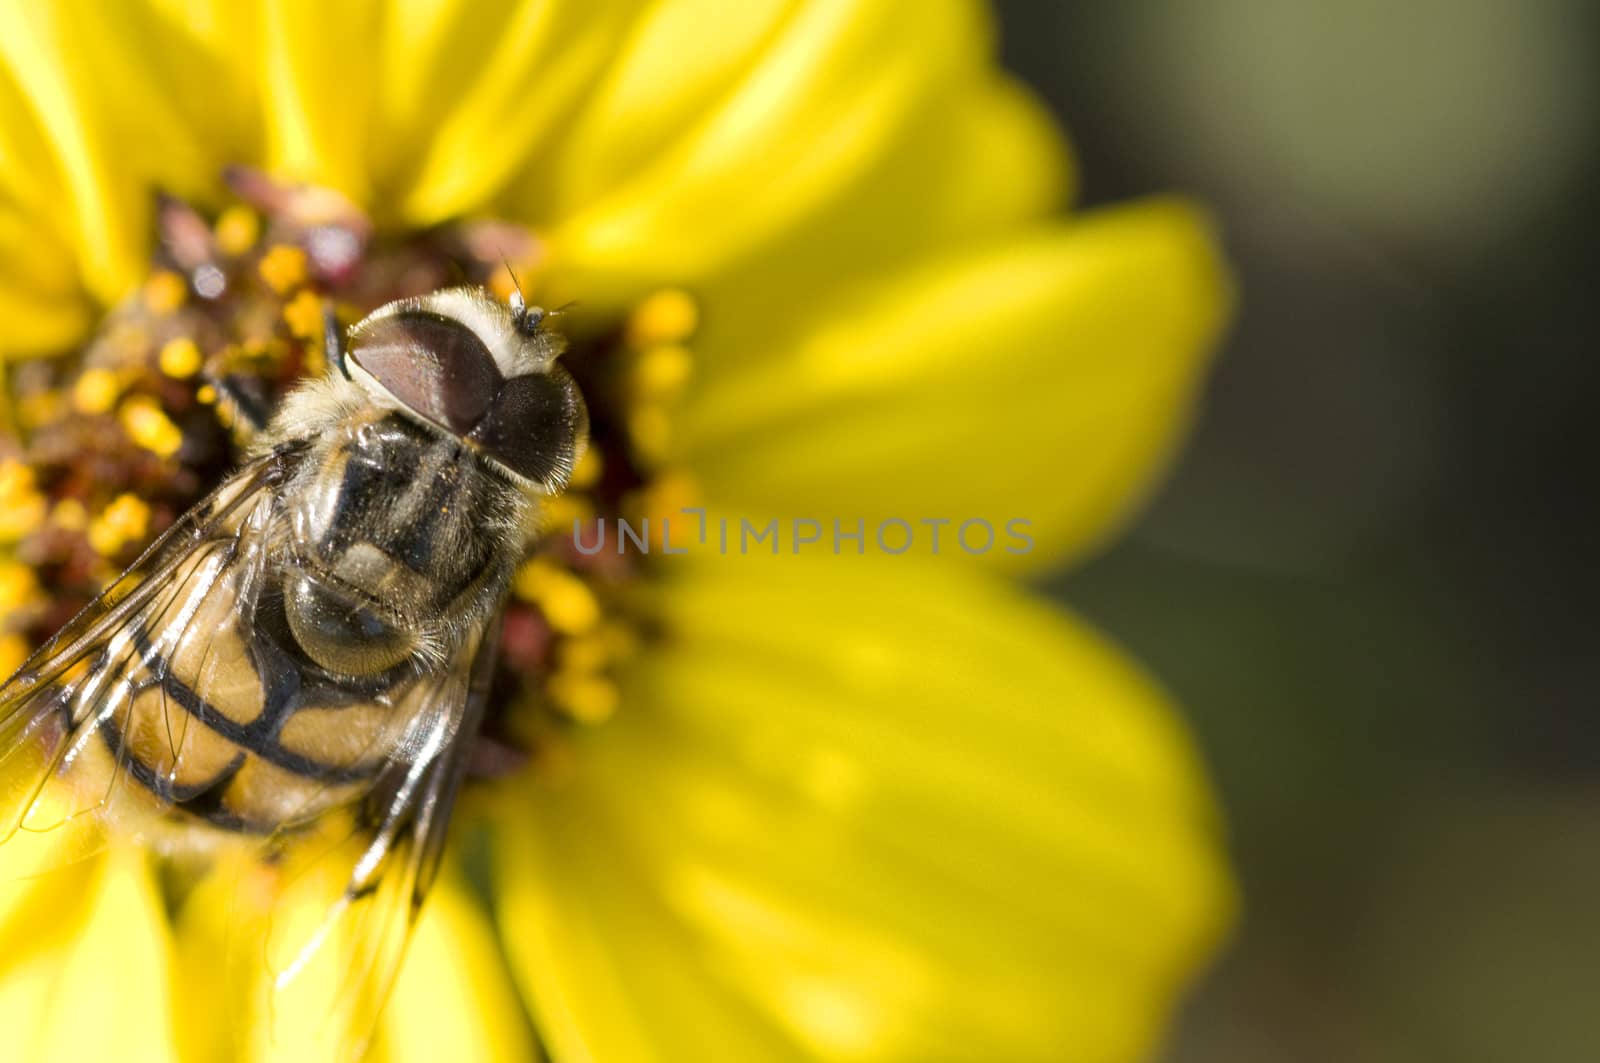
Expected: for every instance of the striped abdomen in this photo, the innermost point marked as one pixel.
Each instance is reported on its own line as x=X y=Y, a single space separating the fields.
x=279 y=676
x=215 y=718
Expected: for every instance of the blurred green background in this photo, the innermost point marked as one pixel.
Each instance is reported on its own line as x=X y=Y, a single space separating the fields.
x=1371 y=580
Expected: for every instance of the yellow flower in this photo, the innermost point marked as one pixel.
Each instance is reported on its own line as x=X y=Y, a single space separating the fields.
x=828 y=804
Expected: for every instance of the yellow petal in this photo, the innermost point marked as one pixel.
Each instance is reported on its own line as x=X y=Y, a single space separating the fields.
x=467 y=97
x=1044 y=380
x=90 y=978
x=980 y=160
x=245 y=926
x=424 y=110
x=206 y=53
x=112 y=90
x=41 y=905
x=649 y=97
x=865 y=810
x=319 y=78
x=759 y=142
x=454 y=998
x=40 y=300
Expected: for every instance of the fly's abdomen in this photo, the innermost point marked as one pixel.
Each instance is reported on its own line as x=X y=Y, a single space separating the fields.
x=218 y=722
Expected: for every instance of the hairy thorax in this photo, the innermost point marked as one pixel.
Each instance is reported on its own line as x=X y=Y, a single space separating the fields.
x=398 y=540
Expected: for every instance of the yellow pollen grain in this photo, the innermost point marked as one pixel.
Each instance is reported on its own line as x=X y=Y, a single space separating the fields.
x=237 y=230
x=587 y=472
x=125 y=520
x=667 y=316
x=586 y=698
x=180 y=358
x=598 y=649
x=303 y=314
x=568 y=605
x=96 y=391
x=584 y=653
x=206 y=395
x=150 y=428
x=165 y=291
x=13 y=651
x=70 y=515
x=22 y=507
x=265 y=351
x=16 y=480
x=283 y=267
x=19 y=587
x=662 y=371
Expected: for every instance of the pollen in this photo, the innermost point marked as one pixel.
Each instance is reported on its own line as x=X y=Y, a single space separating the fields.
x=96 y=391
x=585 y=653
x=16 y=480
x=70 y=515
x=283 y=267
x=586 y=698
x=22 y=506
x=597 y=650
x=180 y=358
x=125 y=520
x=303 y=315
x=237 y=230
x=568 y=605
x=150 y=428
x=19 y=587
x=661 y=372
x=13 y=651
x=165 y=291
x=667 y=316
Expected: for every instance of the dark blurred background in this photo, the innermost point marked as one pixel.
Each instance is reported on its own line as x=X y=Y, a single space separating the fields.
x=1372 y=580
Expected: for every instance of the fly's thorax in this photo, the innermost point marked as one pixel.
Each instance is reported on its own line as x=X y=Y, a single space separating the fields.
x=399 y=540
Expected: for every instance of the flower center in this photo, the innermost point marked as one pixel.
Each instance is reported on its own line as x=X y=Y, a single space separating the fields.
x=114 y=445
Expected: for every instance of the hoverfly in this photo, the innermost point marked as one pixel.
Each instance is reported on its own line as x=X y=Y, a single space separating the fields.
x=306 y=652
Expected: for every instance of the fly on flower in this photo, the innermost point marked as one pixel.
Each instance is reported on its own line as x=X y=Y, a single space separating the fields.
x=297 y=668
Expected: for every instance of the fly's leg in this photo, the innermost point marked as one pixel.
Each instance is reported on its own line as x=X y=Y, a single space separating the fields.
x=243 y=406
x=333 y=341
x=242 y=401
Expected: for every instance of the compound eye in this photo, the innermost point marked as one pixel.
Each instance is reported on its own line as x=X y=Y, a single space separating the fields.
x=435 y=365
x=536 y=426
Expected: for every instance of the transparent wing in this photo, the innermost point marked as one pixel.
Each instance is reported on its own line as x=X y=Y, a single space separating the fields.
x=344 y=902
x=59 y=776
x=306 y=812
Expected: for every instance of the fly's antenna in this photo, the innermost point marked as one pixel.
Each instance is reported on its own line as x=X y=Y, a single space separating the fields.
x=524 y=317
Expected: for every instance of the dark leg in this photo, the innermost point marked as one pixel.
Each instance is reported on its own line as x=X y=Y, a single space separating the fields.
x=333 y=340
